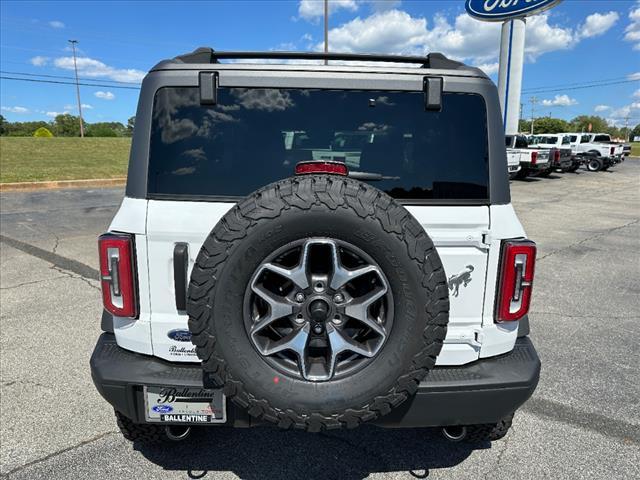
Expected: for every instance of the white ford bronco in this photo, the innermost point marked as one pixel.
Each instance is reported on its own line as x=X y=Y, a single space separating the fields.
x=306 y=245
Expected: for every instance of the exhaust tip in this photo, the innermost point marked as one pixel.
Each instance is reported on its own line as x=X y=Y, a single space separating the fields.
x=177 y=433
x=454 y=433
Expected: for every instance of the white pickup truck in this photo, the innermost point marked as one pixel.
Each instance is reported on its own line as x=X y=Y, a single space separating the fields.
x=597 y=150
x=562 y=156
x=531 y=160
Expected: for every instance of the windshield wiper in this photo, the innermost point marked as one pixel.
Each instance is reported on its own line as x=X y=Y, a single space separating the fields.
x=371 y=176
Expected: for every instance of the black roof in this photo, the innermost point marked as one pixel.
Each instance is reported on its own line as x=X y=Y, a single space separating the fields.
x=206 y=55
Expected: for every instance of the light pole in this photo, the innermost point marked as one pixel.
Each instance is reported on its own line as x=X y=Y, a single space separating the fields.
x=326 y=29
x=75 y=67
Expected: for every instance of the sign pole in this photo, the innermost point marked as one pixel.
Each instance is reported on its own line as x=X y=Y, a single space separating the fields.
x=510 y=72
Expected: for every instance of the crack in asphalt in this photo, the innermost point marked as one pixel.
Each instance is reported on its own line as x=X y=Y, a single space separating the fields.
x=58 y=261
x=587 y=239
x=26 y=382
x=68 y=274
x=32 y=282
x=57 y=453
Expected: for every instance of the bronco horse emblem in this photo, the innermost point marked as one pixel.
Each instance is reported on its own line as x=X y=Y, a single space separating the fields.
x=463 y=278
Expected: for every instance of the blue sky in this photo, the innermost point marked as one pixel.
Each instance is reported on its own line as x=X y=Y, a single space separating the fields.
x=577 y=42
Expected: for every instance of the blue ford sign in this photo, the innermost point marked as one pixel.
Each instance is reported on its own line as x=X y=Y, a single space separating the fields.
x=495 y=10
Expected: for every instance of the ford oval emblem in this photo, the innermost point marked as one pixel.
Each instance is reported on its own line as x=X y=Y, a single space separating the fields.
x=180 y=335
x=495 y=10
x=162 y=408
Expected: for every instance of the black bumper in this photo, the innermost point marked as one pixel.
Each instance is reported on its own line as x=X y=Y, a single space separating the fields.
x=481 y=392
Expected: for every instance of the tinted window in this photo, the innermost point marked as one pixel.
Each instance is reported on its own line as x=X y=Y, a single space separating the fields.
x=521 y=141
x=601 y=138
x=565 y=140
x=574 y=138
x=584 y=139
x=255 y=136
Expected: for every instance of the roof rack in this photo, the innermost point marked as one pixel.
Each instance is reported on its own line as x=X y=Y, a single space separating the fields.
x=432 y=60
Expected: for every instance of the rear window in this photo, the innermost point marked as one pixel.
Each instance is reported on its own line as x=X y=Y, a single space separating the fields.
x=601 y=138
x=253 y=137
x=521 y=141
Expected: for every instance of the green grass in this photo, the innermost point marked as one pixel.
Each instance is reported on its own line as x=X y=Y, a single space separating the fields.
x=635 y=149
x=29 y=159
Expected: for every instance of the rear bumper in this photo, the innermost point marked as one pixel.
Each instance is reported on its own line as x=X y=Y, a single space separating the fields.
x=481 y=392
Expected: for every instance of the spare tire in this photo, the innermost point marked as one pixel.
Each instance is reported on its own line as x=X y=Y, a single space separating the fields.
x=318 y=302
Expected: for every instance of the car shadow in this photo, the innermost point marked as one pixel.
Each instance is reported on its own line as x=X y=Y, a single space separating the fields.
x=268 y=453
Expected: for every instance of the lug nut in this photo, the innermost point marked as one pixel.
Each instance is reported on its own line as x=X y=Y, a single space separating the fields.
x=317 y=328
x=299 y=319
x=338 y=298
x=337 y=320
x=299 y=297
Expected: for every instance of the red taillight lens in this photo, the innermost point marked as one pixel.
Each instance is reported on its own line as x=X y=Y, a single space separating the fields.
x=534 y=158
x=516 y=280
x=613 y=149
x=335 y=168
x=117 y=274
x=556 y=155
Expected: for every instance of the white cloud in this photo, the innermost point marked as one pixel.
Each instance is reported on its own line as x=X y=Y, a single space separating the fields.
x=634 y=76
x=55 y=114
x=560 y=101
x=466 y=39
x=85 y=106
x=56 y=24
x=636 y=94
x=597 y=24
x=39 y=61
x=15 y=109
x=489 y=68
x=90 y=67
x=312 y=10
x=632 y=32
x=626 y=111
x=105 y=95
x=602 y=108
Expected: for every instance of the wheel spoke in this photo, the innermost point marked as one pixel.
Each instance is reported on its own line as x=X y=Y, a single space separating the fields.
x=341 y=276
x=298 y=275
x=278 y=307
x=295 y=342
x=358 y=308
x=340 y=343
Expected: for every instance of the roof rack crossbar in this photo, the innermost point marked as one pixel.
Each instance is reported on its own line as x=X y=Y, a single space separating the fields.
x=432 y=60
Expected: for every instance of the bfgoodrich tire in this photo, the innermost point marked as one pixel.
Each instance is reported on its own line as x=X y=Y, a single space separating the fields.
x=293 y=388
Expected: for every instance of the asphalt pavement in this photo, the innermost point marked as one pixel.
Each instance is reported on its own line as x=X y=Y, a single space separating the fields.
x=582 y=422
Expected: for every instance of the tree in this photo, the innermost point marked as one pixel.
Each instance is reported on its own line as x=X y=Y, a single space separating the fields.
x=550 y=125
x=581 y=124
x=635 y=132
x=3 y=125
x=524 y=126
x=43 y=132
x=67 y=125
x=130 y=124
x=106 y=129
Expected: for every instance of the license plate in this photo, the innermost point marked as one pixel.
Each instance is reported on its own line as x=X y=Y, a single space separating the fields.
x=184 y=405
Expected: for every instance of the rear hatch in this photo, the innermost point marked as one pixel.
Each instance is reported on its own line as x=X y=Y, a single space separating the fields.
x=203 y=158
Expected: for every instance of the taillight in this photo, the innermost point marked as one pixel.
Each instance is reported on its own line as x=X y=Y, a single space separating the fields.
x=516 y=279
x=335 y=168
x=556 y=155
x=117 y=274
x=534 y=158
x=613 y=149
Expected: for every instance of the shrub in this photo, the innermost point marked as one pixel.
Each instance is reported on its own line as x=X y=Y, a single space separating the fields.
x=43 y=132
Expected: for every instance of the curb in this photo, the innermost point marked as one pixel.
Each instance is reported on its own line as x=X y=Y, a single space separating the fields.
x=55 y=184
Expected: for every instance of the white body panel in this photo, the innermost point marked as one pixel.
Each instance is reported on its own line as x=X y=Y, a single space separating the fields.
x=464 y=236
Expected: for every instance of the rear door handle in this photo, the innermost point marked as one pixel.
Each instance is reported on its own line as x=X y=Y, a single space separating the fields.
x=180 y=268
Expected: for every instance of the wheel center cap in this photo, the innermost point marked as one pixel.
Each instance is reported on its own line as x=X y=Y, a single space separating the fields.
x=319 y=310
